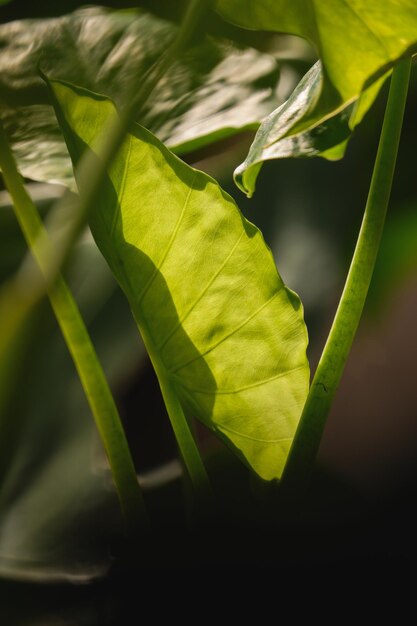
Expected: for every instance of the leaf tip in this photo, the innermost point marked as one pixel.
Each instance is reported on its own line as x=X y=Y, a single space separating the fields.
x=245 y=178
x=238 y=177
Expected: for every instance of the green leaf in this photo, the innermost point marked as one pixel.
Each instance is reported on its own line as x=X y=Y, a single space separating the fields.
x=328 y=139
x=214 y=314
x=356 y=40
x=214 y=91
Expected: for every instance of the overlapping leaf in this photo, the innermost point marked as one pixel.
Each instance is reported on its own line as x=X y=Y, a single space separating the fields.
x=215 y=90
x=328 y=139
x=356 y=40
x=202 y=284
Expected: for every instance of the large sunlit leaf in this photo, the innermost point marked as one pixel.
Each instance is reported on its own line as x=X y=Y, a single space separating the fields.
x=356 y=40
x=216 y=90
x=203 y=287
x=328 y=139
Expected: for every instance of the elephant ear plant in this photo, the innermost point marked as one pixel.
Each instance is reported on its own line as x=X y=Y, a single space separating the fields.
x=224 y=334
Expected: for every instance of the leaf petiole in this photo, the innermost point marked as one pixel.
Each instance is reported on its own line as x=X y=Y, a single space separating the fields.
x=346 y=321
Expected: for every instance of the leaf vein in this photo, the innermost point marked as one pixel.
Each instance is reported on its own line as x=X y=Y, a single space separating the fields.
x=239 y=434
x=117 y=213
x=227 y=392
x=168 y=247
x=203 y=292
x=365 y=23
x=235 y=330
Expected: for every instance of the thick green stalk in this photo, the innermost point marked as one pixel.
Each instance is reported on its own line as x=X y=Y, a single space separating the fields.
x=79 y=344
x=346 y=321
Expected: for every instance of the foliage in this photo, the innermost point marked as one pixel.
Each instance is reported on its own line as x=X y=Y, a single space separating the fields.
x=225 y=336
x=215 y=90
x=356 y=40
x=327 y=139
x=233 y=303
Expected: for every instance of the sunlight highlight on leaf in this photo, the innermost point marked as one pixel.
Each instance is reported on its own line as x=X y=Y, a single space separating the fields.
x=356 y=40
x=213 y=311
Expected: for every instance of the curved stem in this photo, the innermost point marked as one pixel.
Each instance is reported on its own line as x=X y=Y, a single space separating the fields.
x=186 y=444
x=339 y=342
x=189 y=452
x=79 y=344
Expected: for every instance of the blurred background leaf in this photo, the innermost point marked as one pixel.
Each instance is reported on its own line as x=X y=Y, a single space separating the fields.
x=216 y=90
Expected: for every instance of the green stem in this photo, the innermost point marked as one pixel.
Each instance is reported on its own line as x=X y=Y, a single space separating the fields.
x=186 y=443
x=79 y=344
x=188 y=448
x=346 y=321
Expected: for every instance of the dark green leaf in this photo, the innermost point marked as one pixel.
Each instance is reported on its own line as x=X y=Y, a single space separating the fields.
x=356 y=40
x=216 y=317
x=215 y=90
x=328 y=139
